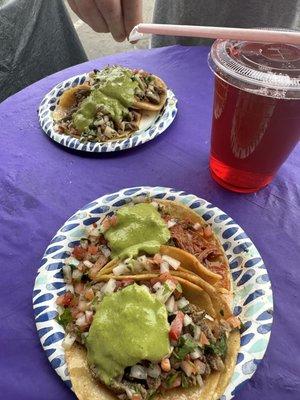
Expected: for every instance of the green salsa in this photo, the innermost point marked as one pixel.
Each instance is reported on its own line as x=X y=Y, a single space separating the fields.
x=139 y=228
x=114 y=90
x=129 y=325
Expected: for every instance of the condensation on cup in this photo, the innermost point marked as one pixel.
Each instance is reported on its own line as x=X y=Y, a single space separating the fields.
x=256 y=111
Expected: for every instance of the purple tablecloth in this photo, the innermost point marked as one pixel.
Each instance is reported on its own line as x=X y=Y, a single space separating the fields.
x=42 y=184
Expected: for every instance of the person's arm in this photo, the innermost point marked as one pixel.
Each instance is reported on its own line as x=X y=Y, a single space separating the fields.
x=115 y=16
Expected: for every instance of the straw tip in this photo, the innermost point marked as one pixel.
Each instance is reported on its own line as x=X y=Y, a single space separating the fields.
x=135 y=34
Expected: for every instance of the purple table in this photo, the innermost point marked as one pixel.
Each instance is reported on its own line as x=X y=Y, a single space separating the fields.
x=42 y=184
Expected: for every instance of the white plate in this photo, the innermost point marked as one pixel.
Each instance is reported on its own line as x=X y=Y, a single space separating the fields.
x=153 y=126
x=252 y=288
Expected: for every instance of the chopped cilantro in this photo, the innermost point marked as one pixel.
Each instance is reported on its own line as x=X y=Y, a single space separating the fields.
x=171 y=379
x=64 y=318
x=184 y=381
x=219 y=347
x=185 y=347
x=242 y=327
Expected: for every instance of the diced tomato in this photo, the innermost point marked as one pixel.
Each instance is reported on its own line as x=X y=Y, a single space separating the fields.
x=93 y=249
x=176 y=326
x=89 y=294
x=108 y=222
x=79 y=287
x=79 y=252
x=203 y=339
x=65 y=299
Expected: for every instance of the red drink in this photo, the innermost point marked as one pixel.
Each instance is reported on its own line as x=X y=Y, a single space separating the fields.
x=256 y=119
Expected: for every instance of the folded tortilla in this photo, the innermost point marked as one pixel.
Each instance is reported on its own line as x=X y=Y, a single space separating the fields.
x=199 y=293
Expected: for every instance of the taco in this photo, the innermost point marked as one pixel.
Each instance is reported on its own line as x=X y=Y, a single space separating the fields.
x=147 y=334
x=111 y=104
x=150 y=226
x=190 y=232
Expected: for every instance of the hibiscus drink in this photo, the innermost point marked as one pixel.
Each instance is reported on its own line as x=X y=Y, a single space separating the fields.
x=256 y=114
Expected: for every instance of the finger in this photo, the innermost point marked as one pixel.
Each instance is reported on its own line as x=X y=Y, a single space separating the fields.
x=132 y=14
x=112 y=13
x=74 y=7
x=91 y=15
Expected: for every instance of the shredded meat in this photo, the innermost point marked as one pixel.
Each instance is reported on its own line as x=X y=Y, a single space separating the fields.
x=203 y=247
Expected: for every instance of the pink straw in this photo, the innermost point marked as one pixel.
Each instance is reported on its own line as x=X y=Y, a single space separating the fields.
x=211 y=32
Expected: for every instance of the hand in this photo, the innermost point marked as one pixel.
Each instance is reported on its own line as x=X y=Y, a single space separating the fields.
x=115 y=16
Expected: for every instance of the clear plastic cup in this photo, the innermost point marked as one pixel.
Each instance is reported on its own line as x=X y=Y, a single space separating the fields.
x=256 y=112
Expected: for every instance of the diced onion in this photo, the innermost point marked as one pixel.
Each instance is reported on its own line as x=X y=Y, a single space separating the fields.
x=89 y=316
x=142 y=259
x=197 y=226
x=110 y=286
x=145 y=287
x=72 y=261
x=93 y=231
x=67 y=273
x=171 y=223
x=164 y=267
x=197 y=332
x=187 y=336
x=199 y=380
x=76 y=275
x=207 y=316
x=88 y=264
x=128 y=392
x=105 y=250
x=157 y=286
x=171 y=261
x=187 y=320
x=170 y=304
x=182 y=302
x=82 y=305
x=68 y=341
x=138 y=372
x=196 y=354
x=120 y=269
x=81 y=321
x=154 y=371
x=142 y=264
x=171 y=285
x=165 y=291
x=84 y=243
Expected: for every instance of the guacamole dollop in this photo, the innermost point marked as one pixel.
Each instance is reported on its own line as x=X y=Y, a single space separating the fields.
x=114 y=90
x=129 y=325
x=139 y=228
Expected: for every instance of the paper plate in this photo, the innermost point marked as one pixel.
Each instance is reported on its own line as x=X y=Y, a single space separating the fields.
x=253 y=301
x=153 y=126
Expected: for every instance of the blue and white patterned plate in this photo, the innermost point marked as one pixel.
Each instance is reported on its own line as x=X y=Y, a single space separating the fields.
x=153 y=126
x=253 y=301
